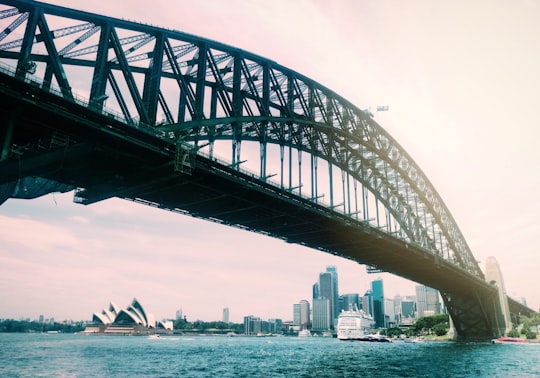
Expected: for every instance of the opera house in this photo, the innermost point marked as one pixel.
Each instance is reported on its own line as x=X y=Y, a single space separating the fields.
x=133 y=320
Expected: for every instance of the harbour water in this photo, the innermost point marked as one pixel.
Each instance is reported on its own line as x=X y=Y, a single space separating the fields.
x=68 y=355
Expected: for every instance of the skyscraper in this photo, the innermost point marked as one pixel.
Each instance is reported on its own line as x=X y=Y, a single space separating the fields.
x=225 y=317
x=326 y=290
x=335 y=291
x=378 y=302
x=367 y=302
x=408 y=310
x=427 y=301
x=322 y=316
x=351 y=299
x=301 y=314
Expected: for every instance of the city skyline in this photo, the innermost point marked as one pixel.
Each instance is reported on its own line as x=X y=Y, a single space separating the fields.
x=460 y=81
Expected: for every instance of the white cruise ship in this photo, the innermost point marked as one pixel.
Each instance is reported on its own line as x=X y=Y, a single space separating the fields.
x=353 y=324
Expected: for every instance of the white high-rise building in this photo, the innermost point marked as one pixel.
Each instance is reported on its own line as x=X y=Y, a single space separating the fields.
x=301 y=315
x=225 y=317
x=179 y=313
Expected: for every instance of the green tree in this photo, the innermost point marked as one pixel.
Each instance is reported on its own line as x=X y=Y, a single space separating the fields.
x=513 y=333
x=394 y=332
x=440 y=329
x=426 y=324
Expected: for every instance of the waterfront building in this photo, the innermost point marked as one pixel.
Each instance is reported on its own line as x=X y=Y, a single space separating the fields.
x=130 y=320
x=275 y=326
x=296 y=315
x=225 y=317
x=301 y=315
x=427 y=301
x=305 y=314
x=322 y=314
x=378 y=302
x=165 y=324
x=252 y=325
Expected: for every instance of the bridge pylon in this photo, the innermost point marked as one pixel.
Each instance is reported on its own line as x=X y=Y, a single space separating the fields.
x=495 y=277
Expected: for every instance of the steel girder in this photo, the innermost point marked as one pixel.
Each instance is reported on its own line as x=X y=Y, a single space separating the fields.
x=209 y=91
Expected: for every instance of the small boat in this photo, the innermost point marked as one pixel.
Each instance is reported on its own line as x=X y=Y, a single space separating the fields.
x=508 y=340
x=304 y=333
x=376 y=338
x=414 y=340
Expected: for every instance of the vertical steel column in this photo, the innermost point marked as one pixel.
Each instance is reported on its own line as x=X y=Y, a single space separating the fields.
x=213 y=114
x=355 y=184
x=8 y=136
x=237 y=110
x=348 y=193
x=152 y=80
x=265 y=113
x=377 y=211
x=101 y=69
x=200 y=82
x=343 y=191
x=54 y=58
x=23 y=63
x=299 y=171
x=281 y=156
x=290 y=110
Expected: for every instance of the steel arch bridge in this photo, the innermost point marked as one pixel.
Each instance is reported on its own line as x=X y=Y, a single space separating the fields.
x=175 y=101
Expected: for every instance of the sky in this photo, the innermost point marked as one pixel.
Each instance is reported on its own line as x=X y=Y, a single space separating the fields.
x=461 y=81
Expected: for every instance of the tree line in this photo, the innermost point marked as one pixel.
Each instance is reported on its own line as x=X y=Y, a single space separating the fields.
x=26 y=326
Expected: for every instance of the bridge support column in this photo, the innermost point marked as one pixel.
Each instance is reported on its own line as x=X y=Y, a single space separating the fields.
x=7 y=137
x=475 y=315
x=495 y=277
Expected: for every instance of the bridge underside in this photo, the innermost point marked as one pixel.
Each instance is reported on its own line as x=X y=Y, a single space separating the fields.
x=68 y=146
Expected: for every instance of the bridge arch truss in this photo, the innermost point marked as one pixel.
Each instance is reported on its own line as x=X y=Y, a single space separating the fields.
x=200 y=94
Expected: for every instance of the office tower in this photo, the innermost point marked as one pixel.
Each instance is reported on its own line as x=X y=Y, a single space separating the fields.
x=179 y=314
x=322 y=315
x=378 y=302
x=301 y=314
x=315 y=291
x=367 y=302
x=335 y=292
x=297 y=317
x=408 y=310
x=252 y=325
x=351 y=299
x=390 y=313
x=427 y=301
x=326 y=290
x=305 y=314
x=397 y=309
x=225 y=317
